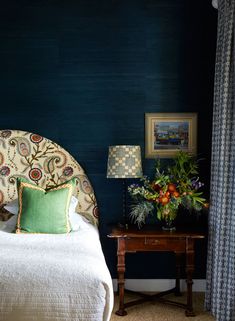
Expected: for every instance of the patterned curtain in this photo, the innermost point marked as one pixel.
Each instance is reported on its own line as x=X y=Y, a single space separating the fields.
x=220 y=292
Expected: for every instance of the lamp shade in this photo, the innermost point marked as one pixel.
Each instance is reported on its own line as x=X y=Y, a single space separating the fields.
x=124 y=161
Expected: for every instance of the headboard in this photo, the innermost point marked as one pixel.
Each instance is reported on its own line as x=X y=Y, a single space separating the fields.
x=46 y=164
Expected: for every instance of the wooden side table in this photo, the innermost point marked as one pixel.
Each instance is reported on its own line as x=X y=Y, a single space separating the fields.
x=134 y=240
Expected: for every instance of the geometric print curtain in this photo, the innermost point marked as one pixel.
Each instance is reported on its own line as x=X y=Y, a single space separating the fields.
x=220 y=284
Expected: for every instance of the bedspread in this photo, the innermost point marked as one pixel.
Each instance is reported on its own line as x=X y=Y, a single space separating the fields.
x=54 y=277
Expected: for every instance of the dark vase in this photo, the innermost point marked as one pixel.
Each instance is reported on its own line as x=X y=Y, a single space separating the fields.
x=168 y=225
x=168 y=220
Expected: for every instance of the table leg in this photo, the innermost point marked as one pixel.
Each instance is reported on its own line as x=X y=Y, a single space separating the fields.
x=189 y=271
x=121 y=271
x=178 y=259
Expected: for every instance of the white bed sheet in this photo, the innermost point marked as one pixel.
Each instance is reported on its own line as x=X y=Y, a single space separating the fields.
x=54 y=277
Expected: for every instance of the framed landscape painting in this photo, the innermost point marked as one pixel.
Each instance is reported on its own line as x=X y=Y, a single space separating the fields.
x=167 y=133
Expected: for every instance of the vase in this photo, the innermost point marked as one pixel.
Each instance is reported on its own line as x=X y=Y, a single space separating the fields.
x=168 y=220
x=168 y=225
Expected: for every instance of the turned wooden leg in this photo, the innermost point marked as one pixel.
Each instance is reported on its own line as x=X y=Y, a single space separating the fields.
x=121 y=280
x=189 y=271
x=178 y=258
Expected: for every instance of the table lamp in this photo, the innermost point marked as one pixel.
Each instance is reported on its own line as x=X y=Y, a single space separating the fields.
x=124 y=161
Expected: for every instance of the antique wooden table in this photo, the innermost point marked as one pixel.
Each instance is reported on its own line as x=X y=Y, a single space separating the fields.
x=132 y=240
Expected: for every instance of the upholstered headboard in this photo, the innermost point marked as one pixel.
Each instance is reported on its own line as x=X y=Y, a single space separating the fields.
x=46 y=164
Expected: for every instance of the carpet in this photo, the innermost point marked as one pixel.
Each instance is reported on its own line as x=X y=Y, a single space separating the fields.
x=156 y=311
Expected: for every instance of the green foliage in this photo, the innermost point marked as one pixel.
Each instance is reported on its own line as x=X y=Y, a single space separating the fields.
x=140 y=211
x=184 y=168
x=177 y=186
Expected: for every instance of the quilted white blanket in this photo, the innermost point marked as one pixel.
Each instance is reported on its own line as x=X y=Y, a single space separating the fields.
x=54 y=277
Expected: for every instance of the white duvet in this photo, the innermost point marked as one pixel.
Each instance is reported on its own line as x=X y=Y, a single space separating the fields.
x=54 y=277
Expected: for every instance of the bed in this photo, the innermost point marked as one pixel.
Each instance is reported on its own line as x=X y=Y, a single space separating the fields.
x=45 y=276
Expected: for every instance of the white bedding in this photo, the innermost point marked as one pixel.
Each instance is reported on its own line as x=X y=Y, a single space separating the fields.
x=54 y=277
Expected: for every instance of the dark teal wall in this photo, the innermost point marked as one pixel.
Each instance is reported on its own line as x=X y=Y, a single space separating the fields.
x=84 y=72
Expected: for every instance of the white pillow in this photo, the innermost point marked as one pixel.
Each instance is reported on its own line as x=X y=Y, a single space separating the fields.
x=76 y=220
x=2 y=225
x=72 y=206
x=11 y=223
x=12 y=207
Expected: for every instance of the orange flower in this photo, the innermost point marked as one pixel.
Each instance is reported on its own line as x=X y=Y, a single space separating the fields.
x=164 y=200
x=176 y=194
x=171 y=188
x=167 y=194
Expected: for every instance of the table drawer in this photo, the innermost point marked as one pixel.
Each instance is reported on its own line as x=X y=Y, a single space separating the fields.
x=155 y=241
x=154 y=244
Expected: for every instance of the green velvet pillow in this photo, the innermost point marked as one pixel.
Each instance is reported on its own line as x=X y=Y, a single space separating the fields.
x=44 y=211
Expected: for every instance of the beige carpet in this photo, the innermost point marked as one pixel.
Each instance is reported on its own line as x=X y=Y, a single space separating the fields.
x=161 y=312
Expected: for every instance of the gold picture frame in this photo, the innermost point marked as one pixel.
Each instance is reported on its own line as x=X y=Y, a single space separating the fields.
x=167 y=133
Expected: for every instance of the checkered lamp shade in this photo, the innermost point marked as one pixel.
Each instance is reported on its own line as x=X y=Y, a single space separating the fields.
x=124 y=161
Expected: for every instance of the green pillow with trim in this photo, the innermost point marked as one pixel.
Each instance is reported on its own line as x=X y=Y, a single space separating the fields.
x=44 y=211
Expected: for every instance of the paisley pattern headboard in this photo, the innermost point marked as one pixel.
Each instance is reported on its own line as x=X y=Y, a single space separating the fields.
x=46 y=164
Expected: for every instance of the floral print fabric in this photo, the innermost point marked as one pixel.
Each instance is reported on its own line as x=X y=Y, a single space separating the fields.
x=46 y=164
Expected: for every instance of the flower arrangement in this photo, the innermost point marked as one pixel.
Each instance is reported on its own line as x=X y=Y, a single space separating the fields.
x=178 y=186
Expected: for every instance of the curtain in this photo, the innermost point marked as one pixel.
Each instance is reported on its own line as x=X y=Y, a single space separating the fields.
x=215 y=3
x=220 y=286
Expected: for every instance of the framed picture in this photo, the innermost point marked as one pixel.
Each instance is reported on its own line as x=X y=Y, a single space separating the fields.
x=166 y=133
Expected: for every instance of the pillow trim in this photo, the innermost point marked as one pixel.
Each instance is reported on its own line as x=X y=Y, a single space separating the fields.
x=23 y=185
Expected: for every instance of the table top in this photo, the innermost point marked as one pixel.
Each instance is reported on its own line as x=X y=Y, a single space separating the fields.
x=151 y=231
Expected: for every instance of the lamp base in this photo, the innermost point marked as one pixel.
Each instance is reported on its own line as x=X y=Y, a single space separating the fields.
x=123 y=225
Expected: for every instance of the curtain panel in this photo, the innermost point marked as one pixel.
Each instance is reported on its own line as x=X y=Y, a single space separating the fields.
x=220 y=288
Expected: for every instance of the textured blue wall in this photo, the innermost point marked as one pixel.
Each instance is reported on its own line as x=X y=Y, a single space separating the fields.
x=84 y=72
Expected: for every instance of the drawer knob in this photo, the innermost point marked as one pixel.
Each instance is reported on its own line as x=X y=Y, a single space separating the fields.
x=155 y=241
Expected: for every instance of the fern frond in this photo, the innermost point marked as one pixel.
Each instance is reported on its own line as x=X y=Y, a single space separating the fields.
x=140 y=211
